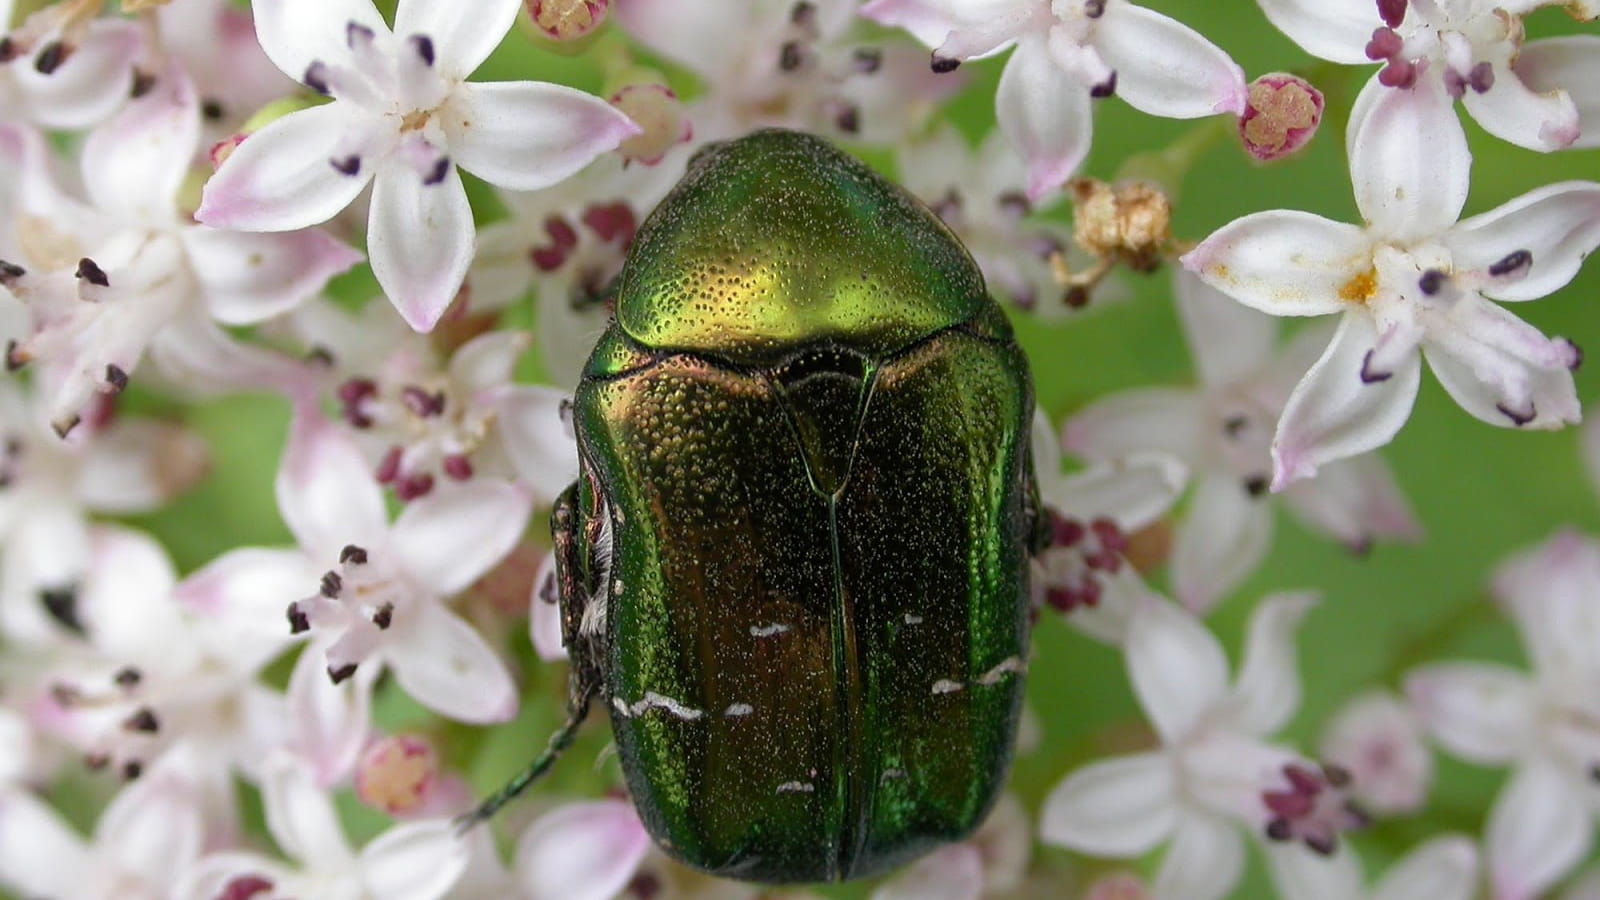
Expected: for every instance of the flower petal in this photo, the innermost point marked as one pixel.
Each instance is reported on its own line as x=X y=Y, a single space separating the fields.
x=526 y=135
x=1177 y=668
x=248 y=278
x=1227 y=340
x=1045 y=114
x=1501 y=369
x=1335 y=30
x=1284 y=262
x=420 y=241
x=1204 y=861
x=450 y=538
x=40 y=855
x=581 y=851
x=134 y=164
x=540 y=443
x=1538 y=831
x=1356 y=501
x=1336 y=412
x=152 y=827
x=1445 y=868
x=301 y=816
x=1166 y=420
x=1558 y=224
x=1133 y=491
x=280 y=178
x=328 y=723
x=1166 y=68
x=325 y=488
x=445 y=665
x=1123 y=807
x=1301 y=874
x=1223 y=537
x=463 y=36
x=126 y=602
x=1549 y=592
x=1571 y=62
x=414 y=861
x=677 y=29
x=1267 y=691
x=1481 y=712
x=544 y=618
x=1512 y=111
x=136 y=465
x=1409 y=159
x=295 y=33
x=953 y=872
x=239 y=598
x=89 y=85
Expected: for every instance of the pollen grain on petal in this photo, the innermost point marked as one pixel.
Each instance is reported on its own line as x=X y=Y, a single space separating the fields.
x=1361 y=288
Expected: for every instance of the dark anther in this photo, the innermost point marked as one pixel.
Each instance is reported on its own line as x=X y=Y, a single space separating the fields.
x=1518 y=419
x=1323 y=845
x=348 y=165
x=1384 y=44
x=789 y=57
x=63 y=427
x=424 y=47
x=1392 y=12
x=1076 y=297
x=90 y=271
x=457 y=466
x=422 y=403
x=804 y=13
x=943 y=64
x=1481 y=78
x=341 y=673
x=355 y=32
x=1232 y=425
x=389 y=467
x=1594 y=772
x=316 y=77
x=65 y=695
x=8 y=49
x=15 y=357
x=1256 y=485
x=441 y=168
x=645 y=886
x=1337 y=776
x=94 y=762
x=245 y=887
x=142 y=83
x=10 y=272
x=211 y=108
x=1577 y=355
x=1368 y=376
x=353 y=554
x=1511 y=262
x=384 y=616
x=117 y=378
x=298 y=623
x=408 y=489
x=62 y=605
x=50 y=58
x=849 y=119
x=127 y=677
x=144 y=719
x=867 y=60
x=331 y=584
x=547 y=591
x=1105 y=88
x=132 y=769
x=1015 y=203
x=320 y=356
x=1431 y=281
x=1279 y=830
x=1094 y=9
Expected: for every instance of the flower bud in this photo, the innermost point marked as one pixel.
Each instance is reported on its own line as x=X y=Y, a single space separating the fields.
x=396 y=775
x=567 y=20
x=1283 y=113
x=654 y=108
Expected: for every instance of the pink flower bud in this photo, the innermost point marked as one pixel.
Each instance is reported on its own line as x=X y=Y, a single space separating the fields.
x=567 y=20
x=396 y=775
x=656 y=109
x=1282 y=115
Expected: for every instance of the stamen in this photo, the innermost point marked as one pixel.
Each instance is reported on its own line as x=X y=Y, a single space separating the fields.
x=422 y=403
x=116 y=378
x=90 y=271
x=423 y=45
x=1518 y=419
x=789 y=57
x=10 y=272
x=384 y=616
x=316 y=77
x=132 y=769
x=1481 y=78
x=353 y=555
x=612 y=222
x=458 y=467
x=867 y=60
x=1399 y=73
x=409 y=489
x=331 y=584
x=1105 y=88
x=16 y=356
x=1232 y=426
x=1368 y=374
x=356 y=33
x=1384 y=44
x=389 y=466
x=62 y=605
x=849 y=119
x=342 y=673
x=212 y=109
x=943 y=64
x=349 y=165
x=245 y=887
x=803 y=14
x=1512 y=263
x=1432 y=281
x=51 y=57
x=143 y=83
x=127 y=678
x=8 y=49
x=63 y=427
x=1094 y=9
x=1575 y=353
x=1393 y=12
x=298 y=623
x=441 y=168
x=1256 y=485
x=143 y=720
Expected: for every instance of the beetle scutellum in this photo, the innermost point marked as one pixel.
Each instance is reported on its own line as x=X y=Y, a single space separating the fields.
x=794 y=566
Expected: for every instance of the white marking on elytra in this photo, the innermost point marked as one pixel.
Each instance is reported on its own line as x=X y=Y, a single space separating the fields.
x=793 y=787
x=739 y=709
x=913 y=619
x=653 y=700
x=768 y=630
x=946 y=686
x=1007 y=666
x=621 y=706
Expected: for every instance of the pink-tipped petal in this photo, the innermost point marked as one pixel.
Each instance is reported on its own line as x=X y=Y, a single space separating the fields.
x=1166 y=68
x=463 y=36
x=1571 y=63
x=40 y=854
x=420 y=241
x=1227 y=340
x=541 y=445
x=1539 y=829
x=1204 y=861
x=1409 y=160
x=326 y=493
x=450 y=538
x=1284 y=262
x=1512 y=111
x=238 y=602
x=328 y=723
x=248 y=278
x=301 y=816
x=678 y=30
x=1166 y=420
x=529 y=135
x=1267 y=691
x=1548 y=591
x=414 y=861
x=295 y=33
x=92 y=82
x=134 y=164
x=1177 y=668
x=1335 y=30
x=136 y=465
x=1355 y=501
x=445 y=665
x=1482 y=712
x=1558 y=224
x=1501 y=369
x=1120 y=807
x=953 y=872
x=1045 y=114
x=153 y=826
x=1222 y=539
x=1445 y=868
x=929 y=21
x=581 y=851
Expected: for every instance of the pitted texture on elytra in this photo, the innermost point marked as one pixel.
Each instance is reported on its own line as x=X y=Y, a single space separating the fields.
x=778 y=241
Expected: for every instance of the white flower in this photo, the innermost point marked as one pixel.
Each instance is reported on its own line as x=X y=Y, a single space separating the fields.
x=1067 y=52
x=1467 y=50
x=130 y=273
x=216 y=41
x=1221 y=431
x=143 y=842
x=1378 y=740
x=991 y=862
x=402 y=118
x=1444 y=868
x=1214 y=772
x=382 y=598
x=1412 y=279
x=411 y=861
x=65 y=66
x=1544 y=724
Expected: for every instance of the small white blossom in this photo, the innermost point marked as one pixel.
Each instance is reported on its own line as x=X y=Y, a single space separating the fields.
x=1544 y=724
x=1444 y=868
x=1412 y=281
x=1378 y=739
x=1068 y=53
x=402 y=118
x=65 y=66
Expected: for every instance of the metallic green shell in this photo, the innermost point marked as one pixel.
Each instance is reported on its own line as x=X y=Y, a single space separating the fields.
x=816 y=579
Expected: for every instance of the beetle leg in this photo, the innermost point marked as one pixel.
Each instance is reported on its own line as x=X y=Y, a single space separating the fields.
x=583 y=681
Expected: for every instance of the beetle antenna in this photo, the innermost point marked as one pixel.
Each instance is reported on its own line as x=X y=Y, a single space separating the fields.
x=577 y=711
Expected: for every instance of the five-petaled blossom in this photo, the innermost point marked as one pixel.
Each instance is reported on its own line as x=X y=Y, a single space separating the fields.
x=1412 y=281
x=1544 y=724
x=1444 y=868
x=1214 y=772
x=402 y=118
x=1221 y=430
x=1472 y=50
x=1070 y=52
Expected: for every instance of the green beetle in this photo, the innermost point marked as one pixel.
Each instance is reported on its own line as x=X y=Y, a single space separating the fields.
x=795 y=563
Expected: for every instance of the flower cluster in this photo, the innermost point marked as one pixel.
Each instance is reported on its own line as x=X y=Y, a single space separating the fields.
x=294 y=295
